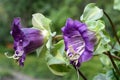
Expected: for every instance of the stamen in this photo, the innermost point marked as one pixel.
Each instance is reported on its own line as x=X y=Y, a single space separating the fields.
x=71 y=49
x=75 y=54
x=6 y=54
x=14 y=57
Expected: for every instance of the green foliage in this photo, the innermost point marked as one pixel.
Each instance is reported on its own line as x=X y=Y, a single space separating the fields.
x=116 y=4
x=56 y=60
x=105 y=60
x=100 y=77
x=116 y=48
x=102 y=45
x=92 y=13
x=95 y=26
x=110 y=75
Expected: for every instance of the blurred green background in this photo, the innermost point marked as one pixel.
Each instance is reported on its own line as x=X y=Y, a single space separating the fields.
x=58 y=11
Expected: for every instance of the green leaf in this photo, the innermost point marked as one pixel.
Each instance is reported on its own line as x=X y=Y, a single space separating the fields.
x=57 y=66
x=118 y=33
x=91 y=12
x=110 y=75
x=56 y=59
x=103 y=44
x=100 y=77
x=105 y=38
x=116 y=48
x=116 y=4
x=105 y=60
x=59 y=47
x=95 y=26
x=102 y=48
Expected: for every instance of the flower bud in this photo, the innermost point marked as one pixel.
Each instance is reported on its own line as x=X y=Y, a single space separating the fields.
x=26 y=40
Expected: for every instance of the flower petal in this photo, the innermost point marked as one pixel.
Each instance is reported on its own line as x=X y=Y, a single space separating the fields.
x=26 y=40
x=22 y=59
x=34 y=37
x=86 y=56
x=16 y=31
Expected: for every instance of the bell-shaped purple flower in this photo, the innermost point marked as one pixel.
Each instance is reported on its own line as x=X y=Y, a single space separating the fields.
x=26 y=40
x=79 y=41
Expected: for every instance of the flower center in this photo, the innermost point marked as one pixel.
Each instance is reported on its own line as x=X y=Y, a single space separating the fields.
x=76 y=47
x=18 y=52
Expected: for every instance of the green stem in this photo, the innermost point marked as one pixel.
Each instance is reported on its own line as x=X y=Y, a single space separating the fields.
x=57 y=38
x=80 y=73
x=113 y=27
x=115 y=74
x=113 y=63
x=113 y=56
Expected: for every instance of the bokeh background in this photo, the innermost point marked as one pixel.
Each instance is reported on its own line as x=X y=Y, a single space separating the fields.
x=58 y=11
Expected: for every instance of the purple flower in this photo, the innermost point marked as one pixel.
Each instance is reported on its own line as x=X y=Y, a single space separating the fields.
x=26 y=40
x=79 y=42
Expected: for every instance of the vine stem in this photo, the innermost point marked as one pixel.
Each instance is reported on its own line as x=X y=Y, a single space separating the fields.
x=80 y=73
x=58 y=36
x=117 y=38
x=113 y=56
x=113 y=27
x=113 y=63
